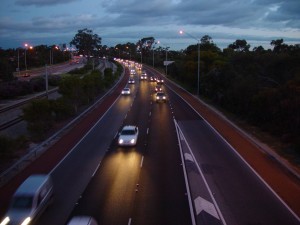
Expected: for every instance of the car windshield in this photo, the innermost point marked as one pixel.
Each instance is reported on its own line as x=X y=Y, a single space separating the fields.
x=22 y=202
x=128 y=132
x=160 y=94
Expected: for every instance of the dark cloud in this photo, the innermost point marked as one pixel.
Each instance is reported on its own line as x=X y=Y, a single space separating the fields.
x=42 y=2
x=242 y=13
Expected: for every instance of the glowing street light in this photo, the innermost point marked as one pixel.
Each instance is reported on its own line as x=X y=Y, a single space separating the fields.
x=129 y=52
x=119 y=52
x=198 y=43
x=30 y=47
x=51 y=54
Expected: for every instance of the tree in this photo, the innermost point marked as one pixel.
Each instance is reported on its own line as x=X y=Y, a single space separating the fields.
x=259 y=49
x=71 y=88
x=145 y=45
x=279 y=46
x=39 y=116
x=240 y=46
x=86 y=42
x=207 y=44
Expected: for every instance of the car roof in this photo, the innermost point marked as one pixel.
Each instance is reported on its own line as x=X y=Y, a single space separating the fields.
x=129 y=127
x=32 y=184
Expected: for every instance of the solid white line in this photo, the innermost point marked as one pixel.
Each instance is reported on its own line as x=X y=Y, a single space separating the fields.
x=116 y=134
x=203 y=177
x=84 y=136
x=185 y=177
x=96 y=169
x=235 y=151
x=142 y=161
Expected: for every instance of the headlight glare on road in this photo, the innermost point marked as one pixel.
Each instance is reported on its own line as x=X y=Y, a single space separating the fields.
x=5 y=221
x=26 y=221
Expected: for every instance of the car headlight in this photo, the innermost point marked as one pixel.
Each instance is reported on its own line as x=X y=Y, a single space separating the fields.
x=132 y=141
x=157 y=97
x=5 y=221
x=121 y=141
x=164 y=97
x=26 y=221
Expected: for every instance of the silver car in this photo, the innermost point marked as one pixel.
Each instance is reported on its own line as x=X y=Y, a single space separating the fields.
x=128 y=136
x=126 y=91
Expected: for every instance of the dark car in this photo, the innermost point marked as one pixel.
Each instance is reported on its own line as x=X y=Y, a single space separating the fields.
x=158 y=88
x=160 y=97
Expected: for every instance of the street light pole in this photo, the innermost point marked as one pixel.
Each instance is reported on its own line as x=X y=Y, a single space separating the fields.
x=198 y=68
x=166 y=57
x=198 y=73
x=19 y=61
x=153 y=52
x=166 y=61
x=26 y=45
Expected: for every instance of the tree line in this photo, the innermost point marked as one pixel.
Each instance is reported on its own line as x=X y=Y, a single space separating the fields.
x=260 y=86
x=78 y=89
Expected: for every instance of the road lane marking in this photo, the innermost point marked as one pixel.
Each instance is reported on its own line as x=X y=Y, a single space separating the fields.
x=201 y=173
x=148 y=130
x=185 y=176
x=142 y=161
x=188 y=157
x=203 y=205
x=96 y=169
x=129 y=222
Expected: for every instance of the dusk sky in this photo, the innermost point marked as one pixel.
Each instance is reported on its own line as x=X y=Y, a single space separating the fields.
x=52 y=22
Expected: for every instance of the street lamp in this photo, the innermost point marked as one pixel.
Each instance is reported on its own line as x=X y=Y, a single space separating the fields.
x=26 y=45
x=129 y=52
x=153 y=52
x=166 y=61
x=51 y=54
x=198 y=43
x=30 y=47
x=119 y=52
x=18 y=69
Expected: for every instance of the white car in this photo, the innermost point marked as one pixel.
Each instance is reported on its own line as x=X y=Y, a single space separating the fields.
x=126 y=91
x=128 y=136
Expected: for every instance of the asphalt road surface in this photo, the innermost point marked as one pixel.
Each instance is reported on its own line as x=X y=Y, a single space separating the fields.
x=146 y=184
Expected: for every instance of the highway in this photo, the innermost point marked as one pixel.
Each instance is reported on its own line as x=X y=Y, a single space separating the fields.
x=138 y=184
x=147 y=184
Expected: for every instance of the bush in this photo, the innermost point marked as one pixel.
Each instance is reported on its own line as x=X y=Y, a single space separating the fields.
x=54 y=80
x=9 y=146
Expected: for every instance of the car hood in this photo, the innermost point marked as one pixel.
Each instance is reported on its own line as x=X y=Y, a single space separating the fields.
x=127 y=137
x=18 y=216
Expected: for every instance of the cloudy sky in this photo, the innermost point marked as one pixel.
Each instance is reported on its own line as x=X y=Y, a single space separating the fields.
x=120 y=21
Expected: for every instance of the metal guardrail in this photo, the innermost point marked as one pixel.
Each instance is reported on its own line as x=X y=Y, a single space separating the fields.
x=42 y=147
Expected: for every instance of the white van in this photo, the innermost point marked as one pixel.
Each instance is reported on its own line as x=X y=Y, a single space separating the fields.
x=29 y=200
x=82 y=220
